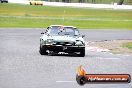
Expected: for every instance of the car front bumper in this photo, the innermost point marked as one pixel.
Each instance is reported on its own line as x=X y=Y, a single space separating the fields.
x=60 y=48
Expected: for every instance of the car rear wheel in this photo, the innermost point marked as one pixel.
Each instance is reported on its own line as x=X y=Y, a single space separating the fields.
x=42 y=51
x=82 y=53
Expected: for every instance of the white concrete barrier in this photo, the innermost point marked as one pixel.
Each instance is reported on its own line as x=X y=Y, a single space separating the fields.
x=80 y=5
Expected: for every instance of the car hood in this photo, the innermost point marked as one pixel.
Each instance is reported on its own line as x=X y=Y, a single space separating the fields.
x=65 y=38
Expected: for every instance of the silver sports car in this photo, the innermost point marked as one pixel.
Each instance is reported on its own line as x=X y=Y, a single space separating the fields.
x=58 y=38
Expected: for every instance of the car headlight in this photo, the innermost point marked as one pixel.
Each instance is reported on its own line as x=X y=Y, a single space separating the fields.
x=78 y=43
x=49 y=41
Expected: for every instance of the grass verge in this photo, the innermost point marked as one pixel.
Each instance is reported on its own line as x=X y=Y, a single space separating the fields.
x=26 y=16
x=128 y=45
x=44 y=22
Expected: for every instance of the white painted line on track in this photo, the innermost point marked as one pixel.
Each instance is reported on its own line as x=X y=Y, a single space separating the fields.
x=126 y=55
x=65 y=81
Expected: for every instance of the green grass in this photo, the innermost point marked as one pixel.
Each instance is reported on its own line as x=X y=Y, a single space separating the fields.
x=128 y=45
x=26 y=16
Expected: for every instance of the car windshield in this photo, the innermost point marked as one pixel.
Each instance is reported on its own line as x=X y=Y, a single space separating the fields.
x=58 y=30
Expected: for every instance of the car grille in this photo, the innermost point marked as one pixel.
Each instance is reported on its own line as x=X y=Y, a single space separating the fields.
x=64 y=43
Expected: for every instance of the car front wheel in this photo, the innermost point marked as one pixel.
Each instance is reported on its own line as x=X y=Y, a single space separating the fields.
x=82 y=53
x=42 y=51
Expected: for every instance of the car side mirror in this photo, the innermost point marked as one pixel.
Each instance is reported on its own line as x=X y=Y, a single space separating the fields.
x=48 y=27
x=83 y=36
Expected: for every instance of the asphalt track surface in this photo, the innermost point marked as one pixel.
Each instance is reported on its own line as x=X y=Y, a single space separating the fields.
x=21 y=65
